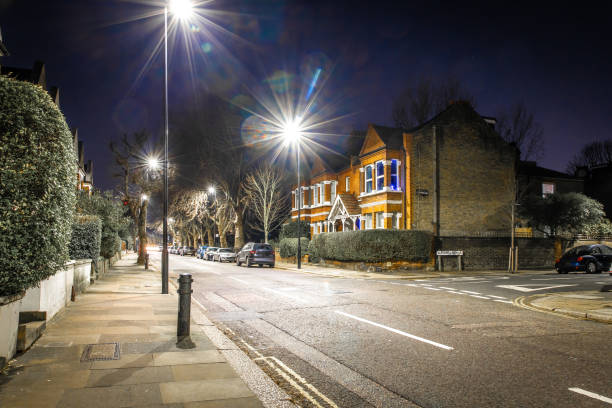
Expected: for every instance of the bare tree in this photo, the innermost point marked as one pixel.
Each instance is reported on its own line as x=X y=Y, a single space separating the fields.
x=419 y=103
x=267 y=198
x=518 y=126
x=596 y=153
x=137 y=184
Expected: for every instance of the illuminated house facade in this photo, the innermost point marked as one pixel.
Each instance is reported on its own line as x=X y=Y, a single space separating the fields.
x=84 y=170
x=453 y=175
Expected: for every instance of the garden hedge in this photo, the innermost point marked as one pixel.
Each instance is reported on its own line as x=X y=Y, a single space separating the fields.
x=290 y=230
x=375 y=245
x=37 y=186
x=86 y=237
x=288 y=247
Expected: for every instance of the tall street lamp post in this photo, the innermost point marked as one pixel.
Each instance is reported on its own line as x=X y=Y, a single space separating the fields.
x=293 y=134
x=181 y=9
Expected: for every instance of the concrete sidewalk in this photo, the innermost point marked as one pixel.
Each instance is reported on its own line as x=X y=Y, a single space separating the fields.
x=589 y=305
x=334 y=272
x=115 y=347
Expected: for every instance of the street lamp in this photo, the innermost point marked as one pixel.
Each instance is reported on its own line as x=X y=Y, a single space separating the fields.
x=153 y=163
x=182 y=10
x=292 y=132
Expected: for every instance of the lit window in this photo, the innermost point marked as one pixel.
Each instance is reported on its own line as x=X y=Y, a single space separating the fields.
x=368 y=179
x=380 y=175
x=548 y=188
x=358 y=224
x=394 y=183
x=347 y=184
x=380 y=220
x=368 y=221
x=333 y=191
x=315 y=193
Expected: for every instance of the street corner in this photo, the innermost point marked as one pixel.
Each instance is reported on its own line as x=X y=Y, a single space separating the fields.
x=589 y=305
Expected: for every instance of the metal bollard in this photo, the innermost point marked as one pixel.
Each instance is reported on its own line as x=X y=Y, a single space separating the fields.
x=184 y=313
x=146 y=261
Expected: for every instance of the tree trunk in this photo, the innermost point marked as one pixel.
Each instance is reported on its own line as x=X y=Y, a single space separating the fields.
x=211 y=237
x=223 y=240
x=142 y=233
x=239 y=231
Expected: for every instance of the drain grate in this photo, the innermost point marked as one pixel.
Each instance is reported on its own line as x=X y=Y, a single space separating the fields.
x=102 y=351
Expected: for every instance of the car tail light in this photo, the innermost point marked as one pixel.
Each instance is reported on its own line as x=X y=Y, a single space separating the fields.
x=252 y=252
x=557 y=260
x=580 y=259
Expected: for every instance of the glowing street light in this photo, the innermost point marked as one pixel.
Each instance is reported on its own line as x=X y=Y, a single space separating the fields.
x=144 y=197
x=292 y=132
x=153 y=163
x=182 y=9
x=211 y=190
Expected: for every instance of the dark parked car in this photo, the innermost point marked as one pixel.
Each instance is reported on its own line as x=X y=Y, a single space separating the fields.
x=187 y=250
x=589 y=258
x=253 y=253
x=208 y=254
x=224 y=255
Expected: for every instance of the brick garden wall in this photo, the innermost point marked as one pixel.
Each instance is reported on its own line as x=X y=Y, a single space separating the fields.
x=492 y=253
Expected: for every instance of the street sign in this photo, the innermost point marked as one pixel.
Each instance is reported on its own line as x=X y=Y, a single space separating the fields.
x=449 y=253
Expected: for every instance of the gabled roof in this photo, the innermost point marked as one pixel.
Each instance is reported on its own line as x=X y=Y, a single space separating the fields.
x=336 y=158
x=345 y=204
x=391 y=137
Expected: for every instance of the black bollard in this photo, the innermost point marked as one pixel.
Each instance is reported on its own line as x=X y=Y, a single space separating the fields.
x=146 y=261
x=184 y=314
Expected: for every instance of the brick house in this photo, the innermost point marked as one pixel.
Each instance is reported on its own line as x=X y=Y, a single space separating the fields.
x=451 y=175
x=84 y=170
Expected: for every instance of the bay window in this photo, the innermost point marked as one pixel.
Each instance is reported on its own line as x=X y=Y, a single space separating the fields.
x=315 y=192
x=368 y=179
x=380 y=175
x=368 y=221
x=380 y=220
x=394 y=184
x=333 y=191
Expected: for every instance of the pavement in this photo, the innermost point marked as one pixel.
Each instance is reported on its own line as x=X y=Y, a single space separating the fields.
x=590 y=305
x=115 y=346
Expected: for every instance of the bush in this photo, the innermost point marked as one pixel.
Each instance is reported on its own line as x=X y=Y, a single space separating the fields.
x=290 y=230
x=37 y=186
x=372 y=245
x=86 y=237
x=288 y=247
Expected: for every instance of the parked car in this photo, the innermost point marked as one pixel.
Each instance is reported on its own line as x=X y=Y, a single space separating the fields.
x=254 y=253
x=224 y=255
x=187 y=250
x=172 y=250
x=589 y=258
x=209 y=253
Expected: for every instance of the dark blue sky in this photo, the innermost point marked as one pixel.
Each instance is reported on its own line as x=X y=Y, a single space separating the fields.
x=556 y=60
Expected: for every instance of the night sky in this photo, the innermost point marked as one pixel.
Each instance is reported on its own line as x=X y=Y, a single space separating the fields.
x=556 y=60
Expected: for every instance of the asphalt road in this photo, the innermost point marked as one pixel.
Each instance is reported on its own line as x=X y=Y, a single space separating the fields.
x=453 y=342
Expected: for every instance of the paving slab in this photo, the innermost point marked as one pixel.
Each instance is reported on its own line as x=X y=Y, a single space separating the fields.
x=204 y=390
x=589 y=305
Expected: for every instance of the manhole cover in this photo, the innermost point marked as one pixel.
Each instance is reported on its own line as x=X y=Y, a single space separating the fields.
x=102 y=351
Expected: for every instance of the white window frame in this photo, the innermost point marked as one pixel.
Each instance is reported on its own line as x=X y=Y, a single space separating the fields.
x=347 y=183
x=368 y=221
x=333 y=192
x=396 y=221
x=394 y=166
x=314 y=196
x=379 y=176
x=553 y=188
x=380 y=218
x=321 y=191
x=370 y=180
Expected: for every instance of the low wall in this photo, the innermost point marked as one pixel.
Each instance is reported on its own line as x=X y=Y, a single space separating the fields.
x=9 y=321
x=82 y=275
x=492 y=253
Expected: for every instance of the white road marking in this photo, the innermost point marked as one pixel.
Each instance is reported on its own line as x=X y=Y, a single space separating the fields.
x=411 y=284
x=496 y=297
x=547 y=279
x=239 y=280
x=591 y=394
x=456 y=293
x=479 y=297
x=503 y=301
x=444 y=287
x=523 y=288
x=278 y=292
x=425 y=287
x=471 y=293
x=391 y=329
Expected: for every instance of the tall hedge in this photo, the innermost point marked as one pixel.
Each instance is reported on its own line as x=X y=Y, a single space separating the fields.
x=86 y=237
x=37 y=186
x=377 y=245
x=288 y=247
x=290 y=230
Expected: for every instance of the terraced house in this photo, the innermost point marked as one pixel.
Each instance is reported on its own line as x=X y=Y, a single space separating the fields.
x=453 y=175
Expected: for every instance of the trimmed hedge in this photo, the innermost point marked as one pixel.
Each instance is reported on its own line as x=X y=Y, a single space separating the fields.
x=290 y=230
x=86 y=237
x=37 y=186
x=288 y=247
x=377 y=245
x=111 y=244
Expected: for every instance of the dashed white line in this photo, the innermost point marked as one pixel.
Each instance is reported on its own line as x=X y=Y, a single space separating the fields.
x=503 y=301
x=591 y=394
x=426 y=287
x=239 y=280
x=456 y=293
x=471 y=293
x=496 y=297
x=391 y=329
x=479 y=297
x=444 y=287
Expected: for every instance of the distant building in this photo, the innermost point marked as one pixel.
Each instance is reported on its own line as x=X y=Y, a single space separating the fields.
x=598 y=185
x=533 y=179
x=84 y=170
x=36 y=75
x=453 y=175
